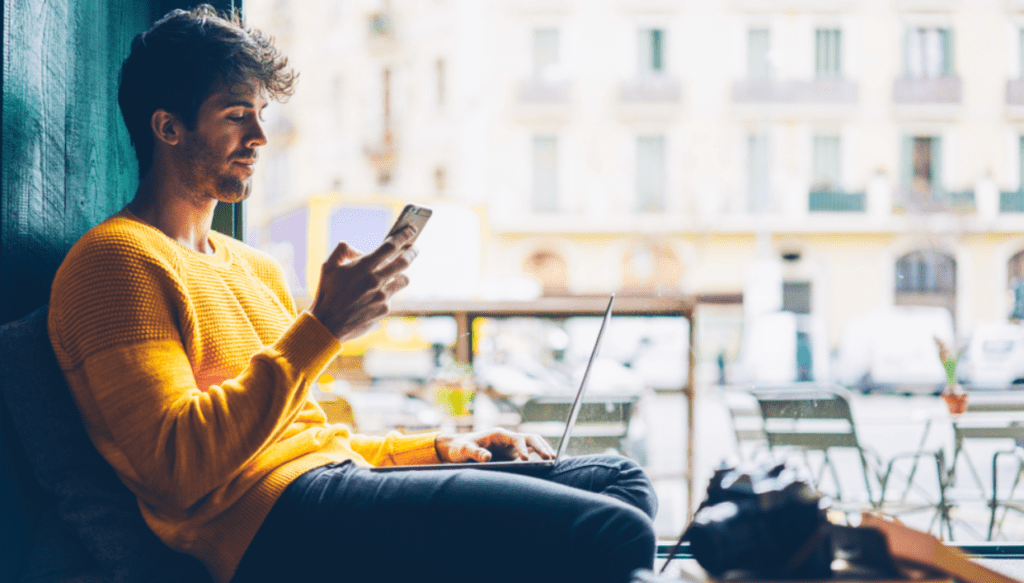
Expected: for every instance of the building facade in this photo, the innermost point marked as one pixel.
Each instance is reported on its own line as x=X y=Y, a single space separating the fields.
x=871 y=150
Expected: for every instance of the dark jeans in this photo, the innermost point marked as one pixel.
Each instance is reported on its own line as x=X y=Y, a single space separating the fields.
x=587 y=519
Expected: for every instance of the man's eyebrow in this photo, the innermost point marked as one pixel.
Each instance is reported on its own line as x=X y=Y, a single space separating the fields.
x=239 y=103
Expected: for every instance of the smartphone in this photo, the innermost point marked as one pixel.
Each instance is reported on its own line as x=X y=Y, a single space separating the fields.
x=414 y=215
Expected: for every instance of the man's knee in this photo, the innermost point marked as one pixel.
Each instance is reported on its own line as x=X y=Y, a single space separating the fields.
x=621 y=540
x=635 y=478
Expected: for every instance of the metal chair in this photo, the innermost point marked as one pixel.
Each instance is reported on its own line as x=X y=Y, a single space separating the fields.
x=747 y=423
x=993 y=419
x=818 y=419
x=602 y=423
x=1007 y=501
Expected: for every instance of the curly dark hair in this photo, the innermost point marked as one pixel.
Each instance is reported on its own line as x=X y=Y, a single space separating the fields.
x=175 y=64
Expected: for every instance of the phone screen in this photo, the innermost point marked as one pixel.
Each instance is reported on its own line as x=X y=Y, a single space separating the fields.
x=411 y=215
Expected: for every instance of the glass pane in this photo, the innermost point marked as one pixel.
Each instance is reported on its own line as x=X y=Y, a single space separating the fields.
x=545 y=173
x=826 y=163
x=757 y=173
x=650 y=173
x=545 y=50
x=828 y=45
x=758 y=66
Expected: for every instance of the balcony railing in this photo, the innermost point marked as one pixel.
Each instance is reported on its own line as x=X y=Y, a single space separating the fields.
x=939 y=201
x=771 y=91
x=651 y=89
x=835 y=201
x=937 y=90
x=539 y=90
x=1011 y=202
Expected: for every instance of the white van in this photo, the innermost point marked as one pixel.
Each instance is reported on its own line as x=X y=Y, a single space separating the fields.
x=893 y=349
x=994 y=357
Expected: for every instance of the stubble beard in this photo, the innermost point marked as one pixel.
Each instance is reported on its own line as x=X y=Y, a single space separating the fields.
x=231 y=190
x=209 y=179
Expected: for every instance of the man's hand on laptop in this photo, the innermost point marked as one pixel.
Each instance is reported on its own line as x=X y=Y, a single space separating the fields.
x=495 y=444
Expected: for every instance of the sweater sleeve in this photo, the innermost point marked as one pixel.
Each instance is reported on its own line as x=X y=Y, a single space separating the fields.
x=396 y=449
x=116 y=331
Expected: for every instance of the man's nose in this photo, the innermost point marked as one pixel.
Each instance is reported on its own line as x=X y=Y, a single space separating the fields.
x=256 y=136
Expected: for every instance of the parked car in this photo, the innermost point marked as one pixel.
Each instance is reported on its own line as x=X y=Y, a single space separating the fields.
x=994 y=357
x=893 y=349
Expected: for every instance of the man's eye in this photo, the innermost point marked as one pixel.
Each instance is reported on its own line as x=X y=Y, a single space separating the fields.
x=236 y=117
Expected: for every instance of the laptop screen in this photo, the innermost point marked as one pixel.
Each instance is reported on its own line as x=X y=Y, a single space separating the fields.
x=575 y=410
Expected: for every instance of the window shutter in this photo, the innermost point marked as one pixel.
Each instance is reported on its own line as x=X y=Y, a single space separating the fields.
x=947 y=51
x=657 y=45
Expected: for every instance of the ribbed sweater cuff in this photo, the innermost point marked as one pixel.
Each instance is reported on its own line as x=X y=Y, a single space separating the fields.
x=416 y=450
x=308 y=345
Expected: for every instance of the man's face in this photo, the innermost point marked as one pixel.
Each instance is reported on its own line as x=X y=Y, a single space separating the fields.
x=219 y=154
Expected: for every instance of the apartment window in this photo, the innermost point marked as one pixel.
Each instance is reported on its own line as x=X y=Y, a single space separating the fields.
x=545 y=173
x=757 y=173
x=826 y=164
x=650 y=170
x=929 y=52
x=652 y=45
x=758 y=45
x=545 y=50
x=828 y=60
x=922 y=166
x=925 y=272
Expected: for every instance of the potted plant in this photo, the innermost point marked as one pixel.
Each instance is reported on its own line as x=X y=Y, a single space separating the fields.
x=953 y=394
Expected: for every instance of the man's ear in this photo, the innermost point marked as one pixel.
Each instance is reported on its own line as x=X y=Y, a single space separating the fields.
x=167 y=127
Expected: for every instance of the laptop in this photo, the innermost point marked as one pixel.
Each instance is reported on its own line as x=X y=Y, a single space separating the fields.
x=527 y=466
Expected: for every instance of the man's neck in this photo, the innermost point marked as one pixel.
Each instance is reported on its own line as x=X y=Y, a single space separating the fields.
x=168 y=207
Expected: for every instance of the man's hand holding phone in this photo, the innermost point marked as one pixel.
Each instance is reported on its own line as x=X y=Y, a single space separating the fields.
x=355 y=289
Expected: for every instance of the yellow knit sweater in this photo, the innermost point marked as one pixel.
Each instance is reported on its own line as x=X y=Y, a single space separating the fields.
x=192 y=373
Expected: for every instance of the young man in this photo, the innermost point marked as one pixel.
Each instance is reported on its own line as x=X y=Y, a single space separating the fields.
x=192 y=370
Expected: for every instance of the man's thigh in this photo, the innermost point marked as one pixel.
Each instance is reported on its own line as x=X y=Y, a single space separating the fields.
x=469 y=525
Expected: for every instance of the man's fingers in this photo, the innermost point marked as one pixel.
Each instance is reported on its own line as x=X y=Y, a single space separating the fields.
x=399 y=264
x=392 y=244
x=521 y=448
x=540 y=445
x=397 y=283
x=340 y=252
